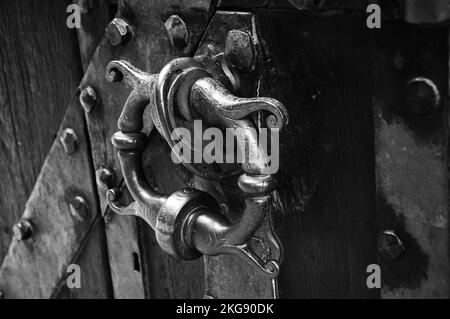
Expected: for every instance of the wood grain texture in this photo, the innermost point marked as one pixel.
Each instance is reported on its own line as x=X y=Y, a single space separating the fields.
x=40 y=69
x=33 y=267
x=411 y=159
x=94 y=269
x=317 y=66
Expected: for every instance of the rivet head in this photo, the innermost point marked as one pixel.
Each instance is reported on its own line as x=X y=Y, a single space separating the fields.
x=78 y=208
x=2 y=295
x=118 y=31
x=69 y=140
x=114 y=76
x=178 y=31
x=239 y=50
x=390 y=246
x=104 y=178
x=422 y=95
x=88 y=99
x=22 y=230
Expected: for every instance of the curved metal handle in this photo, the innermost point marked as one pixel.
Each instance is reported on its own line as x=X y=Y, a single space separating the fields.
x=189 y=222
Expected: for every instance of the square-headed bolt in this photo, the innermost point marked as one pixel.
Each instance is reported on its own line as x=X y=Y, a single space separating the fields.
x=69 y=140
x=118 y=31
x=88 y=99
x=178 y=32
x=23 y=229
x=239 y=51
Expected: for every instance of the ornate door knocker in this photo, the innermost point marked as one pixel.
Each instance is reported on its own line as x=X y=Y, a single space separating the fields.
x=189 y=222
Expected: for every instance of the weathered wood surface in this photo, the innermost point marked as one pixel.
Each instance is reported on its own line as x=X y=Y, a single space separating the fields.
x=149 y=49
x=35 y=92
x=93 y=261
x=40 y=70
x=33 y=267
x=411 y=159
x=318 y=68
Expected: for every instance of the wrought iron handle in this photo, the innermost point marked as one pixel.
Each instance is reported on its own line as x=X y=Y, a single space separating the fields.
x=189 y=222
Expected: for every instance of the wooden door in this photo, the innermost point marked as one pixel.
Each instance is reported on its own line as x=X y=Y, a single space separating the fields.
x=363 y=165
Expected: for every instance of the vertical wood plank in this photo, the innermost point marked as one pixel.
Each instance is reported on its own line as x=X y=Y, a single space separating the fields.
x=40 y=69
x=318 y=68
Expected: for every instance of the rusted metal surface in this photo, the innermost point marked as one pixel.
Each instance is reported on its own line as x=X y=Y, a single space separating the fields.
x=34 y=94
x=430 y=11
x=149 y=47
x=36 y=263
x=411 y=157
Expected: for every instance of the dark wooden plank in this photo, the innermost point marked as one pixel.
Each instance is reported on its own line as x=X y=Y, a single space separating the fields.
x=318 y=66
x=40 y=69
x=411 y=163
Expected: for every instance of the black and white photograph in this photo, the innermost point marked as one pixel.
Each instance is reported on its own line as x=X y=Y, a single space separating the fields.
x=226 y=155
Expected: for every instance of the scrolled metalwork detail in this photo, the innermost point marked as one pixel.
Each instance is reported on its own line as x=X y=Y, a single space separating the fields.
x=189 y=223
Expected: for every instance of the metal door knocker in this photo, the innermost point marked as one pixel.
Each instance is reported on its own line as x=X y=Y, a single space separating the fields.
x=189 y=222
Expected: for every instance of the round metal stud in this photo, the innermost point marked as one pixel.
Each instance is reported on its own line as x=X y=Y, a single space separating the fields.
x=23 y=229
x=79 y=208
x=118 y=31
x=422 y=95
x=390 y=246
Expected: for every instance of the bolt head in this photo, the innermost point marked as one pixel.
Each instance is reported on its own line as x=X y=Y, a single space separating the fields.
x=114 y=76
x=104 y=178
x=69 y=140
x=239 y=50
x=422 y=95
x=390 y=246
x=178 y=31
x=118 y=31
x=22 y=230
x=78 y=208
x=88 y=99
